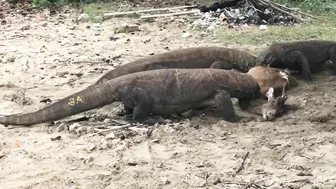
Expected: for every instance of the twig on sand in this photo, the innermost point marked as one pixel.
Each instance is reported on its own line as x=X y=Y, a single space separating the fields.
x=243 y=162
x=101 y=131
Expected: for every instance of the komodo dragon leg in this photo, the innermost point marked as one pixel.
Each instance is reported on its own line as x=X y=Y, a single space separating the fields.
x=244 y=103
x=330 y=64
x=222 y=64
x=224 y=107
x=297 y=57
x=126 y=111
x=138 y=99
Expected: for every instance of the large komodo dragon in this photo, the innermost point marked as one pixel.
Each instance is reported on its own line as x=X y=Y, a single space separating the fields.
x=194 y=57
x=158 y=92
x=163 y=91
x=308 y=57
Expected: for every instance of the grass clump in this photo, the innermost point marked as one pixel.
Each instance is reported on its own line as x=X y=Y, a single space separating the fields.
x=279 y=34
x=314 y=30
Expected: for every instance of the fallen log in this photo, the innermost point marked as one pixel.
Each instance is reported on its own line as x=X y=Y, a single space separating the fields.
x=114 y=14
x=171 y=14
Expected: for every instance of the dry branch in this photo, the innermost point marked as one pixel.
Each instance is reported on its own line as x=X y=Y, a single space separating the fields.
x=243 y=162
x=106 y=15
x=171 y=14
x=289 y=9
x=262 y=11
x=279 y=10
x=100 y=131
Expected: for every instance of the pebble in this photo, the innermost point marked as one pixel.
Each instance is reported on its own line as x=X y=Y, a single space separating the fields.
x=104 y=145
x=132 y=162
x=111 y=136
x=73 y=127
x=263 y=27
x=73 y=27
x=10 y=127
x=107 y=120
x=160 y=165
x=83 y=18
x=9 y=59
x=72 y=168
x=186 y=35
x=214 y=179
x=90 y=147
x=114 y=166
x=81 y=130
x=90 y=130
x=88 y=160
x=2 y=154
x=165 y=181
x=177 y=126
x=55 y=138
x=61 y=127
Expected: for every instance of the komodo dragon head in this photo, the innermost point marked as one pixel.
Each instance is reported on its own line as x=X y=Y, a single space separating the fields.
x=270 y=56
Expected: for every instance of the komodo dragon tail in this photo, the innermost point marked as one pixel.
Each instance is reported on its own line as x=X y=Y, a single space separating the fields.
x=81 y=101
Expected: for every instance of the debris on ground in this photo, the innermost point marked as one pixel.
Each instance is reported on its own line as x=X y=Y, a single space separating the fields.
x=231 y=12
x=257 y=12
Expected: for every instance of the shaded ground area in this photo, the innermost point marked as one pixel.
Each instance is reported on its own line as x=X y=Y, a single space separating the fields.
x=46 y=57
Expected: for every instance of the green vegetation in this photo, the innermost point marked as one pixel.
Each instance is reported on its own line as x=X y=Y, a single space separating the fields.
x=279 y=33
x=317 y=6
x=314 y=30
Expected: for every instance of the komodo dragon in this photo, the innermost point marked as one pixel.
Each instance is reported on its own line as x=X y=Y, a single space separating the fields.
x=164 y=91
x=308 y=57
x=194 y=57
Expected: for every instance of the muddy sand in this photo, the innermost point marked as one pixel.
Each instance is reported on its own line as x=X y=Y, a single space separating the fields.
x=45 y=57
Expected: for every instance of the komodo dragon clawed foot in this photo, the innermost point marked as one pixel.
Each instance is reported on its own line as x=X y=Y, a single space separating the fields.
x=224 y=107
x=226 y=65
x=330 y=68
x=125 y=112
